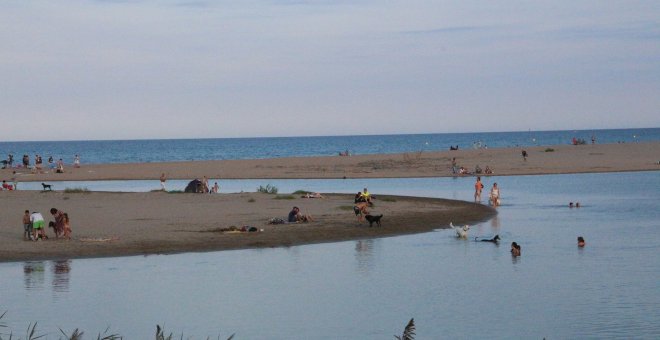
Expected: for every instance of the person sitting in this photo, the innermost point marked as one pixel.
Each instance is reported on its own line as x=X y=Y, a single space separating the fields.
x=7 y=186
x=477 y=169
x=312 y=195
x=296 y=216
x=60 y=166
x=488 y=171
x=363 y=196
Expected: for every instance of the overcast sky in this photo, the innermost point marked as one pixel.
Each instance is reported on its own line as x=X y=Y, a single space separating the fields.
x=127 y=69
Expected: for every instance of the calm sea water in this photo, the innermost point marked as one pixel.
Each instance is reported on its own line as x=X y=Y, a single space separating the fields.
x=132 y=151
x=369 y=289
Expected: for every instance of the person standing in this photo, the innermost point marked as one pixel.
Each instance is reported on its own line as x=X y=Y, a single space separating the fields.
x=27 y=226
x=162 y=181
x=495 y=195
x=59 y=222
x=478 y=186
x=76 y=161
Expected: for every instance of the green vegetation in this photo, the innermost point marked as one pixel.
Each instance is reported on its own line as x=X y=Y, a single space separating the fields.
x=78 y=190
x=301 y=192
x=284 y=197
x=251 y=200
x=268 y=189
x=549 y=150
x=175 y=192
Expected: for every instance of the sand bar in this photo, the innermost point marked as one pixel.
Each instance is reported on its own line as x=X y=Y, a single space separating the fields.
x=116 y=224
x=504 y=161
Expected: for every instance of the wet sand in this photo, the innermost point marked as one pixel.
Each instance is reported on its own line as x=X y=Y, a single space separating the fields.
x=118 y=224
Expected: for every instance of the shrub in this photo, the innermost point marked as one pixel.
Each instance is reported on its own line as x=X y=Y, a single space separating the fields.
x=251 y=200
x=301 y=192
x=268 y=189
x=76 y=190
x=549 y=150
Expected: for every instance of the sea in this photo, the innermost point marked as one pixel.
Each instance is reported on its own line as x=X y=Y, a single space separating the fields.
x=371 y=288
x=162 y=150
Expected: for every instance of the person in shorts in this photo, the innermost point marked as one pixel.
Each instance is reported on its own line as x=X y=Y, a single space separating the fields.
x=27 y=226
x=37 y=221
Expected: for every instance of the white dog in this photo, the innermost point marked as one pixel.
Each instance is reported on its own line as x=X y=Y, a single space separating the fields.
x=461 y=232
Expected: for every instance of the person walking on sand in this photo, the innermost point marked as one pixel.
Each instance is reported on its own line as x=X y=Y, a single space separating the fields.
x=495 y=195
x=478 y=186
x=162 y=181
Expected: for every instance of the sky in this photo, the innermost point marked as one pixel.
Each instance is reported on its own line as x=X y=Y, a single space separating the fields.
x=123 y=69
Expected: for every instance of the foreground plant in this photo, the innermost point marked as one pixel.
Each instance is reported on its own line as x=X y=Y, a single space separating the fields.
x=408 y=332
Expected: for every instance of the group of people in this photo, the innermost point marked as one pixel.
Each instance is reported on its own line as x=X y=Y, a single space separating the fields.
x=58 y=165
x=456 y=170
x=493 y=197
x=34 y=225
x=363 y=200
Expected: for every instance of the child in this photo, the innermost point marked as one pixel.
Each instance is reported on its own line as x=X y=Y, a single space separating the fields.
x=67 y=227
x=27 y=226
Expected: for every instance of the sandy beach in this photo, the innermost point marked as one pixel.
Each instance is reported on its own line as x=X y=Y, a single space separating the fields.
x=503 y=161
x=116 y=224
x=113 y=224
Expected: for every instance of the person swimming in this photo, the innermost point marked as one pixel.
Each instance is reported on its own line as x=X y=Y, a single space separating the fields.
x=515 y=249
x=581 y=242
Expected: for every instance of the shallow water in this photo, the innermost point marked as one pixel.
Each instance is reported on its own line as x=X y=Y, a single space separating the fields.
x=369 y=289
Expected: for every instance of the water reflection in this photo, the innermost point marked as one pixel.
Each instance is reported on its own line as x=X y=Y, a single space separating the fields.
x=61 y=275
x=34 y=275
x=364 y=250
x=495 y=224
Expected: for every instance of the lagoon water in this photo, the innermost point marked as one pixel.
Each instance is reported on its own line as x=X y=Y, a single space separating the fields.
x=369 y=289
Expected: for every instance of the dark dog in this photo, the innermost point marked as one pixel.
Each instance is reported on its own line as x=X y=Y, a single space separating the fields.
x=495 y=239
x=373 y=219
x=47 y=187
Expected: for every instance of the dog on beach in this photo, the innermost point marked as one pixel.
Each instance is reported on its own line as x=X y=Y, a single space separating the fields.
x=461 y=232
x=495 y=239
x=373 y=219
x=48 y=187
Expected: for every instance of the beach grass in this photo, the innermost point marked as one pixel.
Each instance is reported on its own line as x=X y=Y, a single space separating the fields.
x=251 y=200
x=284 y=197
x=175 y=192
x=549 y=150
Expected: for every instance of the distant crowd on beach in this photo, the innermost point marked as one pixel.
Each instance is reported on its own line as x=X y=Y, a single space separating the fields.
x=37 y=163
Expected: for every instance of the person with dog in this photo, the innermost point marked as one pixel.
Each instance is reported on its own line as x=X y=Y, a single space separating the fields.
x=495 y=195
x=478 y=186
x=360 y=209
